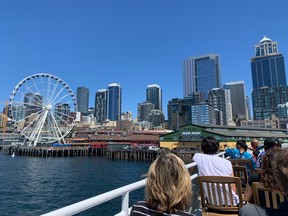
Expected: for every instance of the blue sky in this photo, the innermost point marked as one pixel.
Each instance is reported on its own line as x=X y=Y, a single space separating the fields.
x=135 y=43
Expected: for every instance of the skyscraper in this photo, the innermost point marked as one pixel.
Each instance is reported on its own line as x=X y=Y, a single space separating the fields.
x=101 y=106
x=238 y=100
x=269 y=80
x=201 y=74
x=268 y=65
x=143 y=111
x=154 y=96
x=219 y=99
x=114 y=101
x=83 y=100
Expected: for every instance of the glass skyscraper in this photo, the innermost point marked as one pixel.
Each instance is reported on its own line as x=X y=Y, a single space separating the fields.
x=269 y=80
x=101 y=106
x=114 y=101
x=154 y=96
x=268 y=65
x=83 y=100
x=201 y=74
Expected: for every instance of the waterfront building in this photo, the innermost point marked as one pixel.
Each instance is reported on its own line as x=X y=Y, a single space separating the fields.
x=219 y=99
x=238 y=100
x=126 y=115
x=154 y=96
x=83 y=100
x=114 y=101
x=101 y=106
x=143 y=110
x=201 y=74
x=267 y=66
x=266 y=123
x=190 y=136
x=202 y=114
x=283 y=110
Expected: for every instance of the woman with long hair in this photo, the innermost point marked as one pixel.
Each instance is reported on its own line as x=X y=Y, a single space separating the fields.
x=168 y=188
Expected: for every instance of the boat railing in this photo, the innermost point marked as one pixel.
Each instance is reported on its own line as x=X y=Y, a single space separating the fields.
x=105 y=197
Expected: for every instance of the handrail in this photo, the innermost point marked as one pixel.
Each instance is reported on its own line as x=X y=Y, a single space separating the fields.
x=122 y=191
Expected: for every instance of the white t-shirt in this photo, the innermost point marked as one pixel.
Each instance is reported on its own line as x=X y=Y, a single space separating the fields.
x=213 y=165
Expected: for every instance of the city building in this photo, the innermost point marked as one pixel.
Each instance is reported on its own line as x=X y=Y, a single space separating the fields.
x=114 y=101
x=156 y=119
x=219 y=99
x=266 y=100
x=143 y=111
x=101 y=106
x=201 y=74
x=238 y=100
x=154 y=96
x=33 y=103
x=269 y=80
x=267 y=66
x=202 y=114
x=82 y=100
x=179 y=113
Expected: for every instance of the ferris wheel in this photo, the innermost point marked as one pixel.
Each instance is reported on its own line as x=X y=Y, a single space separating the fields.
x=43 y=107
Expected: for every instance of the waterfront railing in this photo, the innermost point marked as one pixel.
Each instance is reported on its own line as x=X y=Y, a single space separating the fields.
x=105 y=197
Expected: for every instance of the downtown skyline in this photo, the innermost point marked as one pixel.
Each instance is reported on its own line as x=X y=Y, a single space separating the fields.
x=95 y=43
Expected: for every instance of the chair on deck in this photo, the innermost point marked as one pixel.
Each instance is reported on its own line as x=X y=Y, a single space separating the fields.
x=265 y=197
x=241 y=172
x=243 y=162
x=217 y=196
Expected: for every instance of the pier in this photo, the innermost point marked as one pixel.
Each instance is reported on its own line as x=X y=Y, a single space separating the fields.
x=113 y=154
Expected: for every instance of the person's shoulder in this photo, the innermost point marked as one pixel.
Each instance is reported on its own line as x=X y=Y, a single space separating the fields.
x=182 y=213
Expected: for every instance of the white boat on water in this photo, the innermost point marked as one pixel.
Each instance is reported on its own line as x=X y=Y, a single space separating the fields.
x=13 y=154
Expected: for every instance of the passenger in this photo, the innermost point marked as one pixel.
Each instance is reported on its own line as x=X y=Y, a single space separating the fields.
x=275 y=176
x=210 y=164
x=168 y=188
x=269 y=143
x=256 y=148
x=240 y=152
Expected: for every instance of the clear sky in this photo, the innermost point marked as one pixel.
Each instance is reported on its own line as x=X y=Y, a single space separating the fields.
x=135 y=43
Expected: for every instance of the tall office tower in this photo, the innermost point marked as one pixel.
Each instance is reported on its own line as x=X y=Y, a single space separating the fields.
x=219 y=99
x=154 y=95
x=201 y=74
x=268 y=65
x=82 y=100
x=179 y=113
x=101 y=106
x=114 y=101
x=33 y=103
x=202 y=114
x=143 y=111
x=238 y=100
x=269 y=80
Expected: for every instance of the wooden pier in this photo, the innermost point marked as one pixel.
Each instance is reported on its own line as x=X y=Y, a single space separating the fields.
x=117 y=154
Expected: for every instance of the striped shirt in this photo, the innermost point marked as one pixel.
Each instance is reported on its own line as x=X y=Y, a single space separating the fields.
x=141 y=209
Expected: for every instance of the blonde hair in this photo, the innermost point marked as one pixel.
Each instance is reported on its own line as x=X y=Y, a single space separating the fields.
x=168 y=186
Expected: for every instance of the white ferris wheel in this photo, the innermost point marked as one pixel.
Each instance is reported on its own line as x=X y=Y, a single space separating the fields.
x=43 y=107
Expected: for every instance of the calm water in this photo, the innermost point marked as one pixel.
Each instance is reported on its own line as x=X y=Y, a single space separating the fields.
x=34 y=186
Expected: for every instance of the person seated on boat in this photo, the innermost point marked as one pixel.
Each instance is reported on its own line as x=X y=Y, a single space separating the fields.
x=269 y=143
x=274 y=175
x=210 y=164
x=168 y=188
x=256 y=148
x=240 y=152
